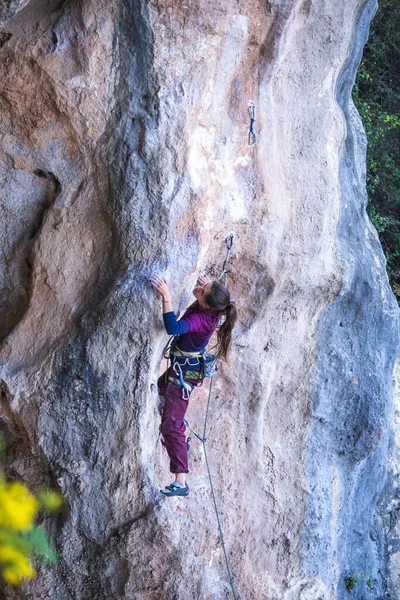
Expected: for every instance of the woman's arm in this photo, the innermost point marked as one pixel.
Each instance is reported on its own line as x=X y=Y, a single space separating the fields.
x=172 y=326
x=162 y=288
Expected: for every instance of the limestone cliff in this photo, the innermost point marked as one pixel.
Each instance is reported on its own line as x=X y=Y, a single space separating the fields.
x=125 y=151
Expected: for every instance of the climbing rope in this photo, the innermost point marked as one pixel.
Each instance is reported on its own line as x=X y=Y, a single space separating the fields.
x=224 y=274
x=226 y=268
x=221 y=534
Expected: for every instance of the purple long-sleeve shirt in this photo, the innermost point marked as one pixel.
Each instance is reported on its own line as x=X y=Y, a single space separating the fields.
x=195 y=328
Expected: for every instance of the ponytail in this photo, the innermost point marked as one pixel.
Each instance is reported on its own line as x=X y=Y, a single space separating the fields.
x=219 y=300
x=224 y=335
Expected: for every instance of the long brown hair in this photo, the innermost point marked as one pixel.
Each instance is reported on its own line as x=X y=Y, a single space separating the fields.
x=219 y=300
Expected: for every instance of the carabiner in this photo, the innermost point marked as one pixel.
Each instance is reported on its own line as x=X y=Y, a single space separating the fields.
x=229 y=241
x=186 y=387
x=185 y=394
x=224 y=269
x=252 y=113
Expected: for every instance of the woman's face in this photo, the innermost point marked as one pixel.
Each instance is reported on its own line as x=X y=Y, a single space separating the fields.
x=200 y=292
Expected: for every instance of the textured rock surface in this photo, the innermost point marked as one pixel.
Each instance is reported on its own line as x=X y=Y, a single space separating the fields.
x=124 y=152
x=9 y=8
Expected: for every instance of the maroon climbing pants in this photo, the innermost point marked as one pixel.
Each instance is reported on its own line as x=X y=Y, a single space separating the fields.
x=172 y=425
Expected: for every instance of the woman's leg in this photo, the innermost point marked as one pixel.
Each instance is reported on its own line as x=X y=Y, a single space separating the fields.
x=173 y=428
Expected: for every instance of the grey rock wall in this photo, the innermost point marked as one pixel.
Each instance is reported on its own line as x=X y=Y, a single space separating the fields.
x=125 y=152
x=352 y=399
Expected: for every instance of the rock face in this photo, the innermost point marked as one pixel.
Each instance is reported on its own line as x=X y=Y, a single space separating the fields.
x=125 y=152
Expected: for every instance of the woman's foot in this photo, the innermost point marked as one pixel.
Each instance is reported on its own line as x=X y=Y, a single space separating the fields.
x=181 y=479
x=175 y=490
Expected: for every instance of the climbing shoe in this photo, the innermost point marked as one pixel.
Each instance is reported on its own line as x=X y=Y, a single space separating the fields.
x=175 y=490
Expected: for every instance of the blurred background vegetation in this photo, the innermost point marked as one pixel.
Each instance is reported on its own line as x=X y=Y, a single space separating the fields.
x=377 y=97
x=24 y=544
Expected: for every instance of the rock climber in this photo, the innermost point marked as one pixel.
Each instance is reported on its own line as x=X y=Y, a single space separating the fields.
x=194 y=331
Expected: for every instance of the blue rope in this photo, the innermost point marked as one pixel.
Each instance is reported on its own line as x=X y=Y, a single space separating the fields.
x=213 y=493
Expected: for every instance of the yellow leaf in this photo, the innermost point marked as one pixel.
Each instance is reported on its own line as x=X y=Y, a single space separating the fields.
x=10 y=576
x=18 y=506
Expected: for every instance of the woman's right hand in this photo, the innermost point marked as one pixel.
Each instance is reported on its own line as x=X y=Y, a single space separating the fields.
x=203 y=280
x=161 y=286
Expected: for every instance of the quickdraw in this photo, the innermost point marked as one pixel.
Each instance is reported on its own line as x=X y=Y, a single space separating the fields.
x=252 y=133
x=186 y=387
x=226 y=264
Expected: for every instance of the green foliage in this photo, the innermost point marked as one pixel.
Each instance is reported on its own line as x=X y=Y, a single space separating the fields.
x=23 y=543
x=377 y=97
x=350 y=582
x=33 y=543
x=39 y=546
x=50 y=501
x=371 y=584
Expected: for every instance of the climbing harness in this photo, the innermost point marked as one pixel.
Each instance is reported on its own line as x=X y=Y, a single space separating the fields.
x=179 y=358
x=203 y=365
x=211 y=359
x=252 y=133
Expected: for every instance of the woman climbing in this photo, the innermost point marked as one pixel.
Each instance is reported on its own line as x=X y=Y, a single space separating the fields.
x=194 y=329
